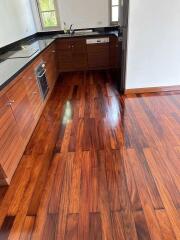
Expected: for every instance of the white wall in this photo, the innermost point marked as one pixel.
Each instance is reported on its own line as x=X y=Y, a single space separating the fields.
x=154 y=44
x=16 y=21
x=84 y=13
x=81 y=13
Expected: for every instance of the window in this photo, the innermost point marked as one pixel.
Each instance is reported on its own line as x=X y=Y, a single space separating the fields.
x=115 y=11
x=48 y=13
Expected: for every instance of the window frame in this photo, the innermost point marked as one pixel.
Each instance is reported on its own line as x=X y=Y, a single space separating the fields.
x=111 y=7
x=41 y=18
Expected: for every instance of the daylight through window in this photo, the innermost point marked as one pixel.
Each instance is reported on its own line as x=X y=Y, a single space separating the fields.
x=48 y=13
x=115 y=11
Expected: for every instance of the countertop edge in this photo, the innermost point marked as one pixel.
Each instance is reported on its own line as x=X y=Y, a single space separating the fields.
x=9 y=80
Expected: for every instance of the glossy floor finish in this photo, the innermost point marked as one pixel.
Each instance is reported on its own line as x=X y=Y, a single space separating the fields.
x=98 y=166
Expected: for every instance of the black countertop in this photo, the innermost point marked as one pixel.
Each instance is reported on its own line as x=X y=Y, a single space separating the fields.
x=10 y=68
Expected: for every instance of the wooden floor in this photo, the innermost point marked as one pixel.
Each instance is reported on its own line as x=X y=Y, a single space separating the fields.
x=98 y=166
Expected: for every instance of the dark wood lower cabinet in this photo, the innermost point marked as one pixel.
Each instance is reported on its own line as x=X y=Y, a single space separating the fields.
x=21 y=104
x=76 y=54
x=10 y=142
x=65 y=60
x=71 y=54
x=33 y=93
x=20 y=108
x=79 y=53
x=98 y=55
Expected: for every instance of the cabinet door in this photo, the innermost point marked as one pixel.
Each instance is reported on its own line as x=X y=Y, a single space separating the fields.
x=22 y=108
x=10 y=141
x=98 y=55
x=65 y=61
x=115 y=52
x=33 y=92
x=51 y=68
x=79 y=53
x=64 y=55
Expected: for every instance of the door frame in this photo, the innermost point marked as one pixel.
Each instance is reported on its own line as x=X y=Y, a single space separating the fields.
x=124 y=46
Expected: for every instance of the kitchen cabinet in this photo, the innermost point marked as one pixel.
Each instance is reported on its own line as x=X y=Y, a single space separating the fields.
x=98 y=53
x=33 y=92
x=21 y=105
x=115 y=52
x=74 y=54
x=64 y=55
x=49 y=57
x=10 y=142
x=71 y=54
x=79 y=53
x=22 y=108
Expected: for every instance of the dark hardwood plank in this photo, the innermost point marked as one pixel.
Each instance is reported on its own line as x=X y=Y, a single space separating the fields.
x=165 y=225
x=104 y=205
x=27 y=228
x=172 y=212
x=141 y=226
x=50 y=228
x=72 y=227
x=65 y=194
x=6 y=227
x=146 y=202
x=98 y=166
x=95 y=226
x=118 y=229
x=83 y=227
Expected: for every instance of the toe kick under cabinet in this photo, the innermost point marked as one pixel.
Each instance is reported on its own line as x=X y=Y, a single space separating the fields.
x=21 y=106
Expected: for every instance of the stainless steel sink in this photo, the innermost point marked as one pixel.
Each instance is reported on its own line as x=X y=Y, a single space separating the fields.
x=75 y=34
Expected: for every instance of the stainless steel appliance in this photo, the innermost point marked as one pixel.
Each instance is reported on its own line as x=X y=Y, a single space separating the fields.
x=40 y=72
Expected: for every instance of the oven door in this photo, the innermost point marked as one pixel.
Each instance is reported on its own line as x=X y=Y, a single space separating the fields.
x=42 y=81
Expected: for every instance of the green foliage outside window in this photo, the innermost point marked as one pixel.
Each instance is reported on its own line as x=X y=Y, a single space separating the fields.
x=48 y=13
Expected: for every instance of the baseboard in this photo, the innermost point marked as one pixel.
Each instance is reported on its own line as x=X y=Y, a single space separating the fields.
x=153 y=89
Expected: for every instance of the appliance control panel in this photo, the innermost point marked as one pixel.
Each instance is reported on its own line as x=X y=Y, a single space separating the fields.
x=97 y=40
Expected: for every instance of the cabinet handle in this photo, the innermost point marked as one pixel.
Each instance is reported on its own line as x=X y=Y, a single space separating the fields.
x=11 y=101
x=53 y=51
x=34 y=93
x=39 y=76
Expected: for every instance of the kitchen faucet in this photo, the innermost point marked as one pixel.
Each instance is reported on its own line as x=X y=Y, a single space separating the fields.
x=71 y=31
